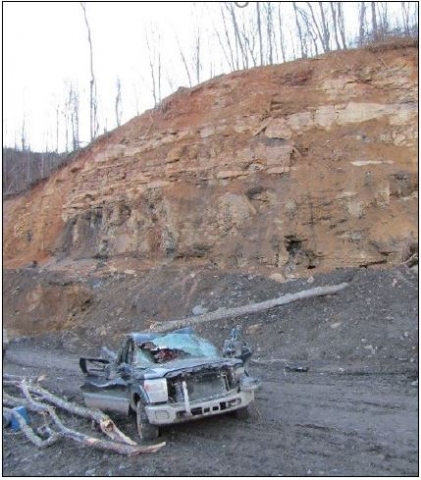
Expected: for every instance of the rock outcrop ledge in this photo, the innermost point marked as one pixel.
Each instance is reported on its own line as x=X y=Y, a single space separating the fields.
x=308 y=165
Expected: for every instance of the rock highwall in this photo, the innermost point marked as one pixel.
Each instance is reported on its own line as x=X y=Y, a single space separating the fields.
x=306 y=165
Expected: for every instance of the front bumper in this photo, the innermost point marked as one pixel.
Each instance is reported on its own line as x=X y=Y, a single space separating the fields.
x=168 y=413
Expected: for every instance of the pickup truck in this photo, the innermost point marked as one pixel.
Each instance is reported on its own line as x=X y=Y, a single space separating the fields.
x=167 y=378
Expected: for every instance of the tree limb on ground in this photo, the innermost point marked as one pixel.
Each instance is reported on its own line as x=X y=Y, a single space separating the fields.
x=120 y=443
x=222 y=313
x=107 y=426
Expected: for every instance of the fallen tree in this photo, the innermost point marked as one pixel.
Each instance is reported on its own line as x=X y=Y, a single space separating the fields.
x=222 y=313
x=107 y=426
x=118 y=443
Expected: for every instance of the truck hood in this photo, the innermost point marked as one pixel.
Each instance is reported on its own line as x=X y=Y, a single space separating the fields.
x=189 y=365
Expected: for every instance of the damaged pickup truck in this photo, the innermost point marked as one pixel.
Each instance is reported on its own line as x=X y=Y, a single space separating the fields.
x=167 y=378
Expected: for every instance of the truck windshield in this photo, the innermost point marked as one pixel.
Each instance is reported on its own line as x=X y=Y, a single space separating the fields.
x=175 y=345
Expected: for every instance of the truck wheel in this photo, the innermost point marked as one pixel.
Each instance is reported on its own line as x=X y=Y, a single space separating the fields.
x=145 y=430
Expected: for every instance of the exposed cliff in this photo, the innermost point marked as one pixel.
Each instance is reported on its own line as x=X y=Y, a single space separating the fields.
x=306 y=165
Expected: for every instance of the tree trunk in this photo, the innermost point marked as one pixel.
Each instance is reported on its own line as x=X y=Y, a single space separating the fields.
x=281 y=35
x=118 y=103
x=92 y=86
x=374 y=21
x=119 y=443
x=362 y=20
x=341 y=24
x=237 y=35
x=222 y=313
x=259 y=28
x=303 y=46
x=325 y=29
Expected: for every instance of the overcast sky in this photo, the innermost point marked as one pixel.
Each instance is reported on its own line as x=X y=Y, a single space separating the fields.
x=45 y=48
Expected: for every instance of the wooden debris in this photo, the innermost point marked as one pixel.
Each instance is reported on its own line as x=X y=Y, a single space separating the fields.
x=222 y=313
x=119 y=442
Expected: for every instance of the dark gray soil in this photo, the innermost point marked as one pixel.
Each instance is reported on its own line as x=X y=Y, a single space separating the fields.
x=352 y=412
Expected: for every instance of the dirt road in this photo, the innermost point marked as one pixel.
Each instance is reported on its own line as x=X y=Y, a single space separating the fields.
x=330 y=421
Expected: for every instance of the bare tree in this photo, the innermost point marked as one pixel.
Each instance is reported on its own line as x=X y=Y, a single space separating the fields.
x=336 y=9
x=318 y=26
x=197 y=55
x=405 y=17
x=185 y=63
x=259 y=29
x=281 y=34
x=211 y=73
x=333 y=8
x=374 y=21
x=310 y=30
x=93 y=120
x=341 y=23
x=375 y=24
x=268 y=11
x=26 y=152
x=74 y=116
x=154 y=51
x=66 y=115
x=250 y=43
x=57 y=126
x=118 y=107
x=303 y=44
x=239 y=45
x=240 y=34
x=409 y=11
x=362 y=19
x=23 y=135
x=228 y=50
x=383 y=17
x=70 y=112
x=136 y=98
x=325 y=37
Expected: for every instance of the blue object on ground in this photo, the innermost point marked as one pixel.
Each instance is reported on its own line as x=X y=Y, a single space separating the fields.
x=22 y=411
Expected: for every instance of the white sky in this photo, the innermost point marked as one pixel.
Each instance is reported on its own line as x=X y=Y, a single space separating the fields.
x=45 y=47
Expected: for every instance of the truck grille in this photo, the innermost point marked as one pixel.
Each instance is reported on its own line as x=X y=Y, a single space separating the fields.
x=202 y=386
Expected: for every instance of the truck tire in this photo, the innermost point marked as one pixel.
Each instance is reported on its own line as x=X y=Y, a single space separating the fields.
x=146 y=431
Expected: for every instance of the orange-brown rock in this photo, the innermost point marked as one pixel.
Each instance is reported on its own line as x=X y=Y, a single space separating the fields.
x=306 y=165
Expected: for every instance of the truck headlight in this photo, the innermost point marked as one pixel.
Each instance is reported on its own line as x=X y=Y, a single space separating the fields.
x=156 y=390
x=239 y=373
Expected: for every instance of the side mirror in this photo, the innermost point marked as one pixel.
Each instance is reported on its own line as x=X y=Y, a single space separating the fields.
x=108 y=354
x=237 y=347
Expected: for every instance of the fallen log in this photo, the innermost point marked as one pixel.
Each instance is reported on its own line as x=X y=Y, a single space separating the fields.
x=81 y=437
x=107 y=426
x=65 y=432
x=222 y=313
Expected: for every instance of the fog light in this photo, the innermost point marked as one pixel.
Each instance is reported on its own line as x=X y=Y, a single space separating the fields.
x=162 y=415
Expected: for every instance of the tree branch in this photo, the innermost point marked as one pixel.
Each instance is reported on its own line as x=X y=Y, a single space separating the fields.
x=120 y=443
x=222 y=313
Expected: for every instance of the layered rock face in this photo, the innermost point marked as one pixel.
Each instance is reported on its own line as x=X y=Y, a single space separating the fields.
x=309 y=165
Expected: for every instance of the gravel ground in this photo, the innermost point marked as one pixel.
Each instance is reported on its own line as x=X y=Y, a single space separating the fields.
x=353 y=412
